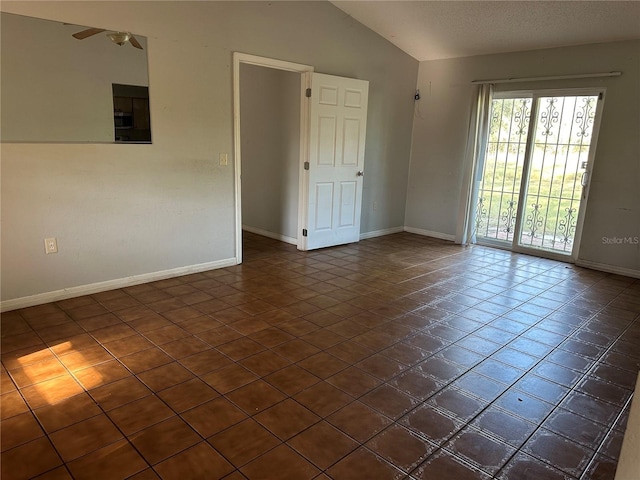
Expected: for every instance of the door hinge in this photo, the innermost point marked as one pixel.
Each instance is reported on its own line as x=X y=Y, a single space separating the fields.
x=600 y=96
x=304 y=232
x=306 y=165
x=308 y=93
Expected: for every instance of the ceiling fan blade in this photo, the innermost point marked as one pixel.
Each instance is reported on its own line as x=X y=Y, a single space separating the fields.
x=133 y=41
x=87 y=33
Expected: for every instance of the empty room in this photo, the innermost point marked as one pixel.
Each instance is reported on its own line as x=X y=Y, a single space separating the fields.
x=320 y=240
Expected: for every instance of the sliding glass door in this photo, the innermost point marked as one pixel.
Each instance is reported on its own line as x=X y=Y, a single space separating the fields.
x=499 y=191
x=535 y=174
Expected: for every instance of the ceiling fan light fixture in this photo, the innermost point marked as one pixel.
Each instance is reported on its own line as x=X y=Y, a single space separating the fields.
x=119 y=38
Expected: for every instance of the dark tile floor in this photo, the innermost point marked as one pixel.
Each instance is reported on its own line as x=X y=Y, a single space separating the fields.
x=398 y=357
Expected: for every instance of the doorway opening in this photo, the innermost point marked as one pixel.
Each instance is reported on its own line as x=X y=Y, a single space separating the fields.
x=533 y=179
x=330 y=142
x=270 y=143
x=270 y=137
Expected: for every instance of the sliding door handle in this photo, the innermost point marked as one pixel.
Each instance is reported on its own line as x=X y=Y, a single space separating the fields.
x=584 y=179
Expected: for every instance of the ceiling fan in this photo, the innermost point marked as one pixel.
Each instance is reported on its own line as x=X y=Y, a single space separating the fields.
x=119 y=38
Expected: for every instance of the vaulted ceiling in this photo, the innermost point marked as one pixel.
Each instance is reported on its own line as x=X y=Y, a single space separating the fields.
x=429 y=30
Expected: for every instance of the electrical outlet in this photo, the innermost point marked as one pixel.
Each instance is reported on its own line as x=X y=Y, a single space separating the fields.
x=224 y=159
x=375 y=206
x=50 y=245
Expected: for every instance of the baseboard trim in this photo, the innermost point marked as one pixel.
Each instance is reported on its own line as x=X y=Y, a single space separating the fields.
x=603 y=267
x=363 y=236
x=429 y=233
x=266 y=233
x=381 y=233
x=98 y=287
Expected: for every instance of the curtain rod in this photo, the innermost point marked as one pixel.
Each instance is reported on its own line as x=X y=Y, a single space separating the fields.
x=556 y=77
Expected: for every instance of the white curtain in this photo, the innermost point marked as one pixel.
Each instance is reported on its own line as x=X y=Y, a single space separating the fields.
x=476 y=148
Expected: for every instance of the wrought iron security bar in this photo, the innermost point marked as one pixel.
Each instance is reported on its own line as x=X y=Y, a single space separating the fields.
x=499 y=191
x=557 y=163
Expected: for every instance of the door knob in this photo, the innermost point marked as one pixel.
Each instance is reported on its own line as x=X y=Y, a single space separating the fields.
x=360 y=174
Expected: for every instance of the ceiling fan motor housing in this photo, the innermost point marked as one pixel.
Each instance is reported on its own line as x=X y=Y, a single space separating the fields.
x=119 y=38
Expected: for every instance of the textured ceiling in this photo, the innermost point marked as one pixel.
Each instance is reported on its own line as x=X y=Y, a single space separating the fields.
x=429 y=30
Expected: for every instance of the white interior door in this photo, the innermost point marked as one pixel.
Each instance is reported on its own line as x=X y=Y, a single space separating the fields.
x=333 y=177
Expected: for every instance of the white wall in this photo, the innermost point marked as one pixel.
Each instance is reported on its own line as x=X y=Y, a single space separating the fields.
x=128 y=210
x=629 y=461
x=270 y=146
x=59 y=89
x=440 y=136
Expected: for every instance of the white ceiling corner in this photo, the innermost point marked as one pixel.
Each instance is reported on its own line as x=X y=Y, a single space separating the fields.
x=431 y=30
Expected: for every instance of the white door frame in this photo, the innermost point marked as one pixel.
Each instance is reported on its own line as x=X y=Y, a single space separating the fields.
x=305 y=82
